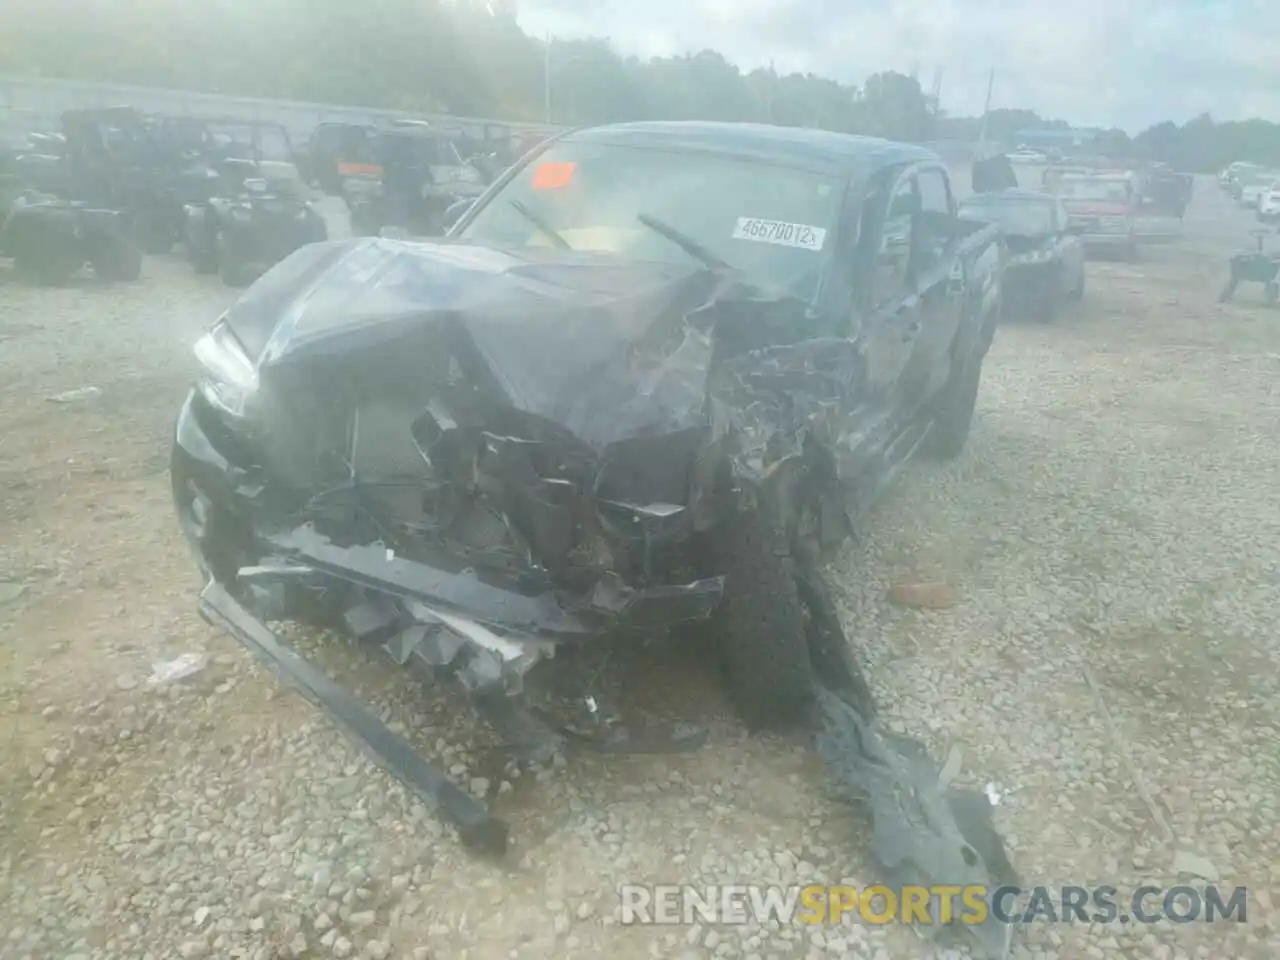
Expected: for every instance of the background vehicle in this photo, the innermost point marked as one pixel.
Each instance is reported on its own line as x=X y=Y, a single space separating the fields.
x=48 y=238
x=993 y=173
x=408 y=177
x=332 y=145
x=1165 y=191
x=255 y=210
x=1229 y=173
x=519 y=419
x=116 y=159
x=1024 y=154
x=1045 y=262
x=1269 y=203
x=1102 y=210
x=1252 y=184
x=1254 y=266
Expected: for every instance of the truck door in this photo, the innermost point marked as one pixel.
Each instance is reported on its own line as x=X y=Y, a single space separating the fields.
x=940 y=284
x=893 y=320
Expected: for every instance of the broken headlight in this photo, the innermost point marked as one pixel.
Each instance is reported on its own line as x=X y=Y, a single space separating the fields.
x=227 y=376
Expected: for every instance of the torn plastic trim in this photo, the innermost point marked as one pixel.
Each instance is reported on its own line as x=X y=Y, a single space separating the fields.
x=612 y=603
x=476 y=826
x=923 y=834
x=378 y=568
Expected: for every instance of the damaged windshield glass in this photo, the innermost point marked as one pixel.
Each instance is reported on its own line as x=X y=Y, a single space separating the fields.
x=771 y=222
x=1024 y=217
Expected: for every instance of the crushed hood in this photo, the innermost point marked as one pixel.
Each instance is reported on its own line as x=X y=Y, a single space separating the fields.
x=607 y=349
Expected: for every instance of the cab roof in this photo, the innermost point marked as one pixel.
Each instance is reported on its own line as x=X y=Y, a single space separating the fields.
x=819 y=151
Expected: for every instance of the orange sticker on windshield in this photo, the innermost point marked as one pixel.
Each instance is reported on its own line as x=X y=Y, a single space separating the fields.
x=553 y=176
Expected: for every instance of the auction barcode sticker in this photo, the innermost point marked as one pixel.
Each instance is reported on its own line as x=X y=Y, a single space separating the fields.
x=780 y=232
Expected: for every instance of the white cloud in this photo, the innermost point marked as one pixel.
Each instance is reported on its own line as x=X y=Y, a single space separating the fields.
x=1129 y=63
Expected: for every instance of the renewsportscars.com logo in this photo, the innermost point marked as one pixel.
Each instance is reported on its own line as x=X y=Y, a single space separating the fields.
x=941 y=904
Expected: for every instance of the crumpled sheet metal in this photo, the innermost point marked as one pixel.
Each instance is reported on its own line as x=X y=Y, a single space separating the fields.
x=777 y=400
x=922 y=833
x=606 y=351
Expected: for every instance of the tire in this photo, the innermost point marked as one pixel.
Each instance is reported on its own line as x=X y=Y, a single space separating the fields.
x=1228 y=290
x=764 y=644
x=154 y=236
x=364 y=224
x=1271 y=293
x=203 y=258
x=116 y=258
x=44 y=271
x=1047 y=309
x=233 y=271
x=1077 y=292
x=317 y=229
x=953 y=413
x=829 y=650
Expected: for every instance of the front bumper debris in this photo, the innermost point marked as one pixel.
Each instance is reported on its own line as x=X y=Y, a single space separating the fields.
x=478 y=829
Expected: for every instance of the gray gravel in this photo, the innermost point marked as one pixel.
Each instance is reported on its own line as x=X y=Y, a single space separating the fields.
x=1115 y=510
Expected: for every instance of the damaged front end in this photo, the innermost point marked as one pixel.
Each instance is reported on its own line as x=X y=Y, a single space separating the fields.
x=472 y=495
x=486 y=466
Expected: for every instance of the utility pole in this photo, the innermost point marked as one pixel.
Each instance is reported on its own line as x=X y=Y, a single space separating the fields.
x=986 y=108
x=547 y=78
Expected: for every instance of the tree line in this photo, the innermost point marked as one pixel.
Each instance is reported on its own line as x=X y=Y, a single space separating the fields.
x=470 y=57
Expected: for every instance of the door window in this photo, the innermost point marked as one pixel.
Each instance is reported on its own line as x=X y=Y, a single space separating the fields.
x=936 y=223
x=893 y=260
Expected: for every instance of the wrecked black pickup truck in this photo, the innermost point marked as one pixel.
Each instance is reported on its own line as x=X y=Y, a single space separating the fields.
x=642 y=383
x=1045 y=263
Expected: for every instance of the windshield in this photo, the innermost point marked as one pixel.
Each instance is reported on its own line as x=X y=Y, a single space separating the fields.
x=249 y=142
x=1025 y=217
x=1108 y=191
x=773 y=223
x=417 y=150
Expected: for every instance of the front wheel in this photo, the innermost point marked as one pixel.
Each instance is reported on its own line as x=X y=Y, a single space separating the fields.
x=764 y=642
x=154 y=232
x=1228 y=290
x=116 y=257
x=1047 y=310
x=1077 y=291
x=953 y=413
x=47 y=271
x=202 y=249
x=1271 y=293
x=234 y=270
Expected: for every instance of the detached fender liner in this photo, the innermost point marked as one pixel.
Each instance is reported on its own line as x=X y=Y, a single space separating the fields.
x=478 y=829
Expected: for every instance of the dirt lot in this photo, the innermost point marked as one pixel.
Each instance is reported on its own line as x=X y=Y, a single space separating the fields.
x=1116 y=510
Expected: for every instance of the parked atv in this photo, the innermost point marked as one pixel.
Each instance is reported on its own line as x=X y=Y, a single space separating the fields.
x=411 y=175
x=255 y=214
x=50 y=239
x=1254 y=266
x=117 y=157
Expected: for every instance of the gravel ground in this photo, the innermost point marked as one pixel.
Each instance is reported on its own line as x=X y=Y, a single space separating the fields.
x=1115 y=512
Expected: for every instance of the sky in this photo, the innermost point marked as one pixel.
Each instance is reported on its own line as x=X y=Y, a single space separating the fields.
x=1125 y=63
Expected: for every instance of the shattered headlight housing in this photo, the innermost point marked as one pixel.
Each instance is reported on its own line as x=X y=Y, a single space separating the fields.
x=228 y=379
